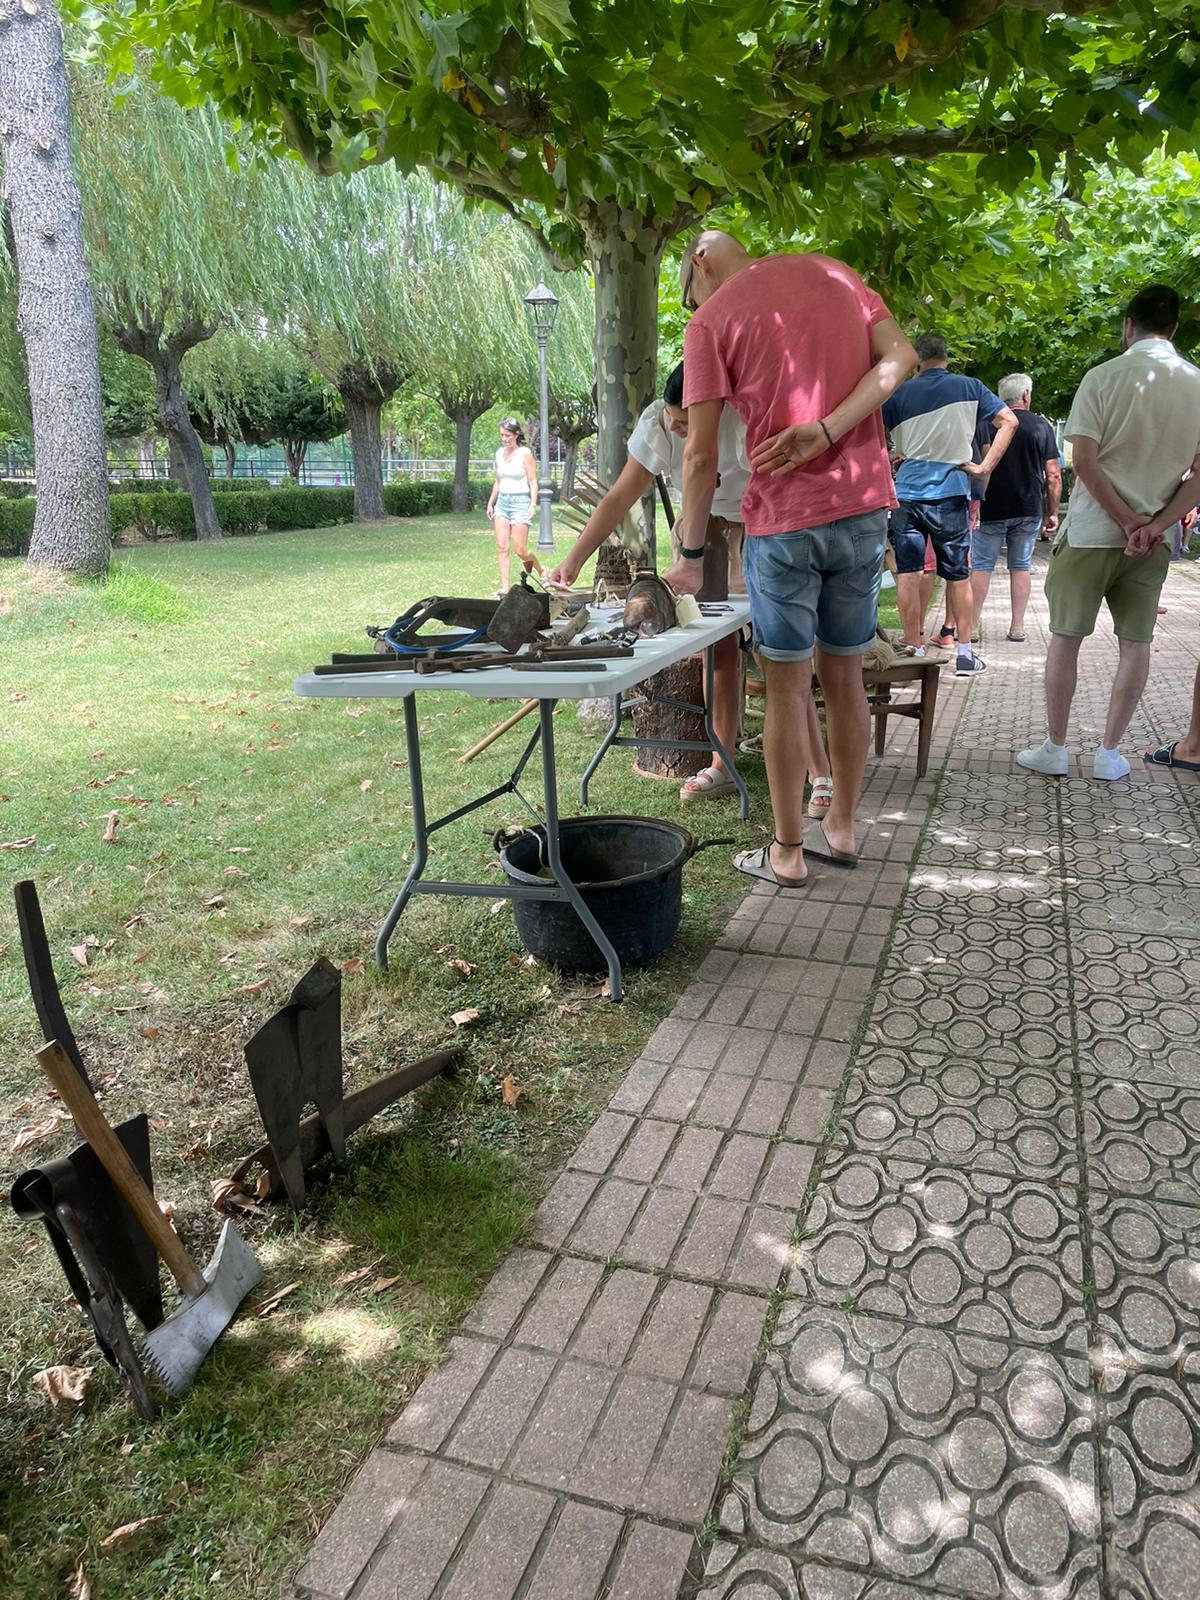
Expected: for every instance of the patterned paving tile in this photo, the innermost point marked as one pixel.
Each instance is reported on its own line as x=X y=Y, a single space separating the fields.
x=1143 y=1138
x=1120 y=1036
x=984 y=1019
x=1147 y=1288
x=1144 y=908
x=974 y=1250
x=918 y=1455
x=1002 y=1118
x=1006 y=942
x=1136 y=967
x=739 y=1574
x=1153 y=1449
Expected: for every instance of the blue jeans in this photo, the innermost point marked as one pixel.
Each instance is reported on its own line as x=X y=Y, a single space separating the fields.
x=1017 y=534
x=945 y=524
x=819 y=586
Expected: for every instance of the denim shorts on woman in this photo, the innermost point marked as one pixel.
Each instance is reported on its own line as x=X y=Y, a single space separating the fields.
x=819 y=586
x=1017 y=534
x=515 y=508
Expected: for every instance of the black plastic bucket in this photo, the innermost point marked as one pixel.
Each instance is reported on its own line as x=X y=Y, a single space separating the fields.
x=629 y=871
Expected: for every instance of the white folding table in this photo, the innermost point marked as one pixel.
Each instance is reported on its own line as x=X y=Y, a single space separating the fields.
x=609 y=680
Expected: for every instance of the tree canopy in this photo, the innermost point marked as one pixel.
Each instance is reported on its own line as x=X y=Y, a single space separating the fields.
x=550 y=107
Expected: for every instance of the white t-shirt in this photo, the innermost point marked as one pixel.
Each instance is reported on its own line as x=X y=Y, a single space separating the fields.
x=1143 y=410
x=653 y=446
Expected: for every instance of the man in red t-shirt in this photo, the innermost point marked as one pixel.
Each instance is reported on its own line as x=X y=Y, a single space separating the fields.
x=806 y=354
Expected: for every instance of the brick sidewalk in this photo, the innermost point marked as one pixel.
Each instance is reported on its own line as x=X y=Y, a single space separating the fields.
x=913 y=1164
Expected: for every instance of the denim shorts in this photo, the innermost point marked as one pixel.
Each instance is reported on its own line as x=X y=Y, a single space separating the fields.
x=819 y=587
x=946 y=524
x=515 y=508
x=1017 y=534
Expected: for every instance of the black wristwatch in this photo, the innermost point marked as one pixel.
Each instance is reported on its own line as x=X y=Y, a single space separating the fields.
x=691 y=555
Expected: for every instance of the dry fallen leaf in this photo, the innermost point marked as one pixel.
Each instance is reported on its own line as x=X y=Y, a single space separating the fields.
x=129 y=1533
x=277 y=1298
x=382 y=1285
x=81 y=1589
x=215 y=903
x=254 y=988
x=457 y=964
x=299 y=922
x=357 y=1276
x=367 y=783
x=63 y=1383
x=33 y=1131
x=109 y=836
x=464 y=1019
x=511 y=1090
x=19 y=844
x=355 y=964
x=79 y=951
x=228 y=1197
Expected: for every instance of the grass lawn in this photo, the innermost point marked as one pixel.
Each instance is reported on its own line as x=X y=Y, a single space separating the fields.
x=254 y=832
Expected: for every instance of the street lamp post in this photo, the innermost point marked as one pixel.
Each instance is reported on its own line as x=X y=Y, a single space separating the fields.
x=542 y=306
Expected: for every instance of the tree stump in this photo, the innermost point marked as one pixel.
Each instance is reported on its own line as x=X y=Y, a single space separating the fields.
x=683 y=681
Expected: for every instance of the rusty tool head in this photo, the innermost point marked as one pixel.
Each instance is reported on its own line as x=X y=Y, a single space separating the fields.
x=523 y=612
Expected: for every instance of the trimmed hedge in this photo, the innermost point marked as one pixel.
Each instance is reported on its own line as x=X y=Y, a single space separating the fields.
x=16 y=525
x=145 y=486
x=167 y=514
x=15 y=488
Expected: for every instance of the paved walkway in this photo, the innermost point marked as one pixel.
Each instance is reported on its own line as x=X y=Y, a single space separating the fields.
x=904 y=1198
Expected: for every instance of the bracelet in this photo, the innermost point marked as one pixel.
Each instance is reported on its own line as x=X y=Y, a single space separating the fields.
x=691 y=555
x=826 y=432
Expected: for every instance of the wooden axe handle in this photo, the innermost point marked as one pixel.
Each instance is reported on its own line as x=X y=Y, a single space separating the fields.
x=92 y=1124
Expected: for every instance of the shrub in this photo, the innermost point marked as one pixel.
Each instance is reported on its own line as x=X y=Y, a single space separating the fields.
x=146 y=486
x=239 y=485
x=153 y=516
x=16 y=526
x=15 y=488
x=423 y=499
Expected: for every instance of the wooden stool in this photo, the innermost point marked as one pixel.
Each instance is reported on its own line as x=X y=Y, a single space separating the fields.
x=879 y=685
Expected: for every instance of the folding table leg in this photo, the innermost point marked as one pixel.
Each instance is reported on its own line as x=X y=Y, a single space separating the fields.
x=554 y=853
x=710 y=733
x=416 y=786
x=604 y=747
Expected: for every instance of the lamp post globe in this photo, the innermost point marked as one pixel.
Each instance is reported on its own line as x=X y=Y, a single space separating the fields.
x=541 y=305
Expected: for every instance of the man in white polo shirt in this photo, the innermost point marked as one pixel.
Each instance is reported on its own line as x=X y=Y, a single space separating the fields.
x=1134 y=430
x=655 y=449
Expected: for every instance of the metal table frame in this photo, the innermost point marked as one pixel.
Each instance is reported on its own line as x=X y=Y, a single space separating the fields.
x=586 y=687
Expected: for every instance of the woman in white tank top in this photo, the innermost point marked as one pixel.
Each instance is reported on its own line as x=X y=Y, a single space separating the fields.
x=510 y=504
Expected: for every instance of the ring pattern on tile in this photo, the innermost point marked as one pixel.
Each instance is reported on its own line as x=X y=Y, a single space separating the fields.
x=956 y=1017
x=1018 y=1120
x=921 y=1455
x=1147 y=1287
x=978 y=1250
x=1143 y=1138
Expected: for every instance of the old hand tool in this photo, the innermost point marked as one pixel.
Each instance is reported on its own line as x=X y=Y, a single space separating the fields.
x=312 y=1136
x=175 y=1349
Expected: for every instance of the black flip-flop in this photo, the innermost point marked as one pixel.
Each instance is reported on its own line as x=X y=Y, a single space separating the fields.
x=822 y=850
x=1164 y=756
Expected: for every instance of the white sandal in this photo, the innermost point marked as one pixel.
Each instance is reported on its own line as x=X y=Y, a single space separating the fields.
x=707 y=784
x=821 y=798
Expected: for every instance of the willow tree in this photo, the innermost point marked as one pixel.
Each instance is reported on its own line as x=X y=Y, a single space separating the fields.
x=609 y=128
x=354 y=252
x=258 y=389
x=174 y=230
x=467 y=320
x=54 y=305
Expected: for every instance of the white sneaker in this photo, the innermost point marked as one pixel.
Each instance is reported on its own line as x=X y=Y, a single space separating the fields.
x=1109 y=764
x=1048 y=759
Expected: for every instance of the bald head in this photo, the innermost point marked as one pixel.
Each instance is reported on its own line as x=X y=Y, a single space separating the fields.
x=709 y=261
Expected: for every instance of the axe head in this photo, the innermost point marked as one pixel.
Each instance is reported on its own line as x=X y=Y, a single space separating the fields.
x=178 y=1346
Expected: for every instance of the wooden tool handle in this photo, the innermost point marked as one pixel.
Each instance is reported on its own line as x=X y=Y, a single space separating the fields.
x=92 y=1124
